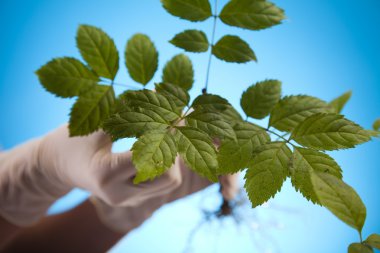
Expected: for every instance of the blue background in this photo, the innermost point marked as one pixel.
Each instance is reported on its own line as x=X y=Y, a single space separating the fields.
x=324 y=48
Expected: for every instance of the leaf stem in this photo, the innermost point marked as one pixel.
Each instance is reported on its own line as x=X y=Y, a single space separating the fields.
x=215 y=16
x=279 y=136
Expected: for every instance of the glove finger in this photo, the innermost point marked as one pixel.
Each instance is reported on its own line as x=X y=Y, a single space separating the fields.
x=230 y=186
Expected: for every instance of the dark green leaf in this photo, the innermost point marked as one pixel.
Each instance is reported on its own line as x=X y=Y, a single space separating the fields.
x=193 y=10
x=98 y=50
x=259 y=99
x=267 y=172
x=373 y=241
x=179 y=71
x=141 y=58
x=251 y=14
x=210 y=102
x=359 y=248
x=191 y=41
x=153 y=154
x=91 y=109
x=66 y=77
x=292 y=110
x=180 y=97
x=329 y=132
x=233 y=49
x=338 y=103
x=376 y=125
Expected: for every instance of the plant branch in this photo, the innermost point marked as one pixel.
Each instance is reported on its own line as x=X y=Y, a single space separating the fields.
x=215 y=16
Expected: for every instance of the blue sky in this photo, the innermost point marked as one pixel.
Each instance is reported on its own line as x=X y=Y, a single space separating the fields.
x=323 y=49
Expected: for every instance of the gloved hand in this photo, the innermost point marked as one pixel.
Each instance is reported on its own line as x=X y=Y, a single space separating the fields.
x=123 y=219
x=35 y=174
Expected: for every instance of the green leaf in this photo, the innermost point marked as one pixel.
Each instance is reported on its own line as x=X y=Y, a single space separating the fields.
x=373 y=241
x=91 y=109
x=150 y=100
x=329 y=132
x=179 y=71
x=376 y=125
x=231 y=114
x=340 y=199
x=233 y=49
x=359 y=248
x=338 y=103
x=210 y=102
x=141 y=58
x=98 y=50
x=193 y=10
x=133 y=123
x=259 y=99
x=306 y=162
x=66 y=77
x=211 y=123
x=267 y=172
x=153 y=154
x=198 y=152
x=191 y=41
x=234 y=155
x=179 y=96
x=292 y=110
x=251 y=14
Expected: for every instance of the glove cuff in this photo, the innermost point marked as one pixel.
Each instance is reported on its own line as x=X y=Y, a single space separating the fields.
x=26 y=192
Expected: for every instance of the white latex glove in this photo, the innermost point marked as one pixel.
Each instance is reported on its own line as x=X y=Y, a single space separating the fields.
x=124 y=219
x=35 y=174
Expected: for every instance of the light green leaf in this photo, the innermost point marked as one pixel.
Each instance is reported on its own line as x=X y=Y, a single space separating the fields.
x=306 y=162
x=149 y=100
x=193 y=10
x=359 y=248
x=141 y=58
x=153 y=154
x=338 y=103
x=230 y=114
x=211 y=123
x=329 y=132
x=234 y=155
x=179 y=71
x=66 y=77
x=267 y=172
x=91 y=109
x=180 y=97
x=98 y=50
x=292 y=110
x=376 y=125
x=191 y=41
x=259 y=99
x=133 y=123
x=210 y=102
x=340 y=199
x=251 y=14
x=198 y=152
x=233 y=49
x=373 y=241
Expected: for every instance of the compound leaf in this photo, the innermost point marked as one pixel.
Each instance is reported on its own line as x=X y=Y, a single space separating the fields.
x=133 y=123
x=141 y=58
x=338 y=103
x=251 y=14
x=153 y=101
x=193 y=10
x=211 y=123
x=267 y=172
x=373 y=241
x=259 y=99
x=231 y=48
x=329 y=132
x=98 y=50
x=179 y=71
x=340 y=199
x=306 y=162
x=66 y=77
x=359 y=248
x=198 y=152
x=179 y=96
x=292 y=110
x=234 y=155
x=191 y=41
x=91 y=109
x=153 y=154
